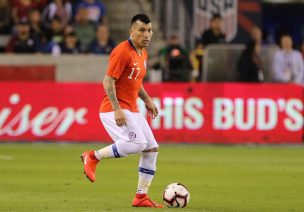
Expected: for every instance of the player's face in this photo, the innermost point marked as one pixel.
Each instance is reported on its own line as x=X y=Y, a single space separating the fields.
x=141 y=34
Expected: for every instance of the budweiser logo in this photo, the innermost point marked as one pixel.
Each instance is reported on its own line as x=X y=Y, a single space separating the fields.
x=262 y=114
x=47 y=120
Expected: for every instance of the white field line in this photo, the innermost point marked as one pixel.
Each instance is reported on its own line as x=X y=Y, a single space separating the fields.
x=6 y=157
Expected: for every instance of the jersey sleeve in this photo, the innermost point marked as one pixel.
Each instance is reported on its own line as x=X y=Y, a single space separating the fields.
x=118 y=63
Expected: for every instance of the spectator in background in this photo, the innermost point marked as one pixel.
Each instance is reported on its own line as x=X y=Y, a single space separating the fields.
x=55 y=33
x=68 y=29
x=47 y=47
x=214 y=34
x=256 y=34
x=103 y=44
x=84 y=29
x=196 y=58
x=302 y=49
x=70 y=44
x=287 y=63
x=35 y=23
x=21 y=9
x=96 y=10
x=250 y=66
x=40 y=4
x=22 y=42
x=175 y=61
x=57 y=8
x=5 y=17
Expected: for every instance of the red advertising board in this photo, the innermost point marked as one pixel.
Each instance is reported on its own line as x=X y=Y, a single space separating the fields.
x=196 y=113
x=27 y=72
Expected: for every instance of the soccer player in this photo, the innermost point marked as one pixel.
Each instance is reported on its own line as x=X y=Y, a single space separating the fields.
x=119 y=113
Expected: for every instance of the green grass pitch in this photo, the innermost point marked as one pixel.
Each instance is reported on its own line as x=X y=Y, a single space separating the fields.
x=49 y=177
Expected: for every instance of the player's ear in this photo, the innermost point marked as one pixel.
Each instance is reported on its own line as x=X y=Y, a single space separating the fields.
x=131 y=30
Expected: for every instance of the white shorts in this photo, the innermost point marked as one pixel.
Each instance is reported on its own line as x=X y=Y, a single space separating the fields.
x=136 y=131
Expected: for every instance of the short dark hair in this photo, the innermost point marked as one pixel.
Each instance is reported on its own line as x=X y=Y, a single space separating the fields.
x=285 y=34
x=56 y=18
x=141 y=17
x=216 y=16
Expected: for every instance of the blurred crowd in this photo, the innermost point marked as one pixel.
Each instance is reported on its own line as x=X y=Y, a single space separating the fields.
x=55 y=27
x=81 y=26
x=177 y=64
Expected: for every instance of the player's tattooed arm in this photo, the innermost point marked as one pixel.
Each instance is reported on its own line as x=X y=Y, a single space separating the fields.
x=109 y=86
x=143 y=95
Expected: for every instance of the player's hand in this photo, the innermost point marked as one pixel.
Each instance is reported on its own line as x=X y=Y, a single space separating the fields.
x=152 y=109
x=120 y=117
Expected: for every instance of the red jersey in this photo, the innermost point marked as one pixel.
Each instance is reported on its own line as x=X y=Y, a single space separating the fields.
x=129 y=69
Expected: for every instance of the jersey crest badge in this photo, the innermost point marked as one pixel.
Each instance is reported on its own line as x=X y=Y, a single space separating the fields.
x=132 y=136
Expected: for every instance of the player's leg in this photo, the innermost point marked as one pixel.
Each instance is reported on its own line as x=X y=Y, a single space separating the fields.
x=128 y=140
x=147 y=168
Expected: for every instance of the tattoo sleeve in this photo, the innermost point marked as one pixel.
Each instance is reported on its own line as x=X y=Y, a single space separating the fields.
x=109 y=86
x=143 y=94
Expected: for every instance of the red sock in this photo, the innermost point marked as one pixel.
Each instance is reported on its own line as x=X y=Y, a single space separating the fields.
x=139 y=196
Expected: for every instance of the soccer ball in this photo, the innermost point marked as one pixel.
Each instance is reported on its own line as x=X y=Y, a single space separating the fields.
x=176 y=195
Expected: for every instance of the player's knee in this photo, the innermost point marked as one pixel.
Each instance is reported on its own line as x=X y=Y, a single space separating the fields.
x=138 y=147
x=141 y=146
x=128 y=148
x=155 y=149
